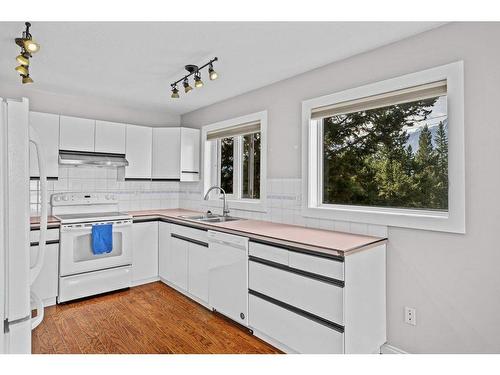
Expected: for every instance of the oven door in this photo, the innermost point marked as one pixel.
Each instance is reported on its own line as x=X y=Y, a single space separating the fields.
x=76 y=254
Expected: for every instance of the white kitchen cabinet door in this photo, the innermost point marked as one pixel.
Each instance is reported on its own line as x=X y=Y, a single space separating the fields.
x=45 y=285
x=178 y=265
x=166 y=153
x=198 y=271
x=47 y=127
x=144 y=252
x=190 y=154
x=76 y=134
x=163 y=250
x=110 y=137
x=138 y=152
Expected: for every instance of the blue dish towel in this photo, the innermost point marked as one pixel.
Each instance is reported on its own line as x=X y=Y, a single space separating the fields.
x=102 y=239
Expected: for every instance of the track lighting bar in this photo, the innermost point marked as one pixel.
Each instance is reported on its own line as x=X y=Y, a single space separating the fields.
x=196 y=71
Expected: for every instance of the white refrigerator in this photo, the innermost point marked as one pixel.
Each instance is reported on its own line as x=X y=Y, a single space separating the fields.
x=17 y=270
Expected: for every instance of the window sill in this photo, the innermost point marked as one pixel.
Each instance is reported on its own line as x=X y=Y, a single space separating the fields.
x=239 y=204
x=414 y=219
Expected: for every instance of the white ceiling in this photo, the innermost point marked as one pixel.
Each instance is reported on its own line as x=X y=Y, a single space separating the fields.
x=133 y=63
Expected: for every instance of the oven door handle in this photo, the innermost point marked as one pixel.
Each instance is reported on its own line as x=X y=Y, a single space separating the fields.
x=88 y=226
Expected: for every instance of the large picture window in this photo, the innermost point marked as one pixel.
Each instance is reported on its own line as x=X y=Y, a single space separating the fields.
x=389 y=153
x=390 y=156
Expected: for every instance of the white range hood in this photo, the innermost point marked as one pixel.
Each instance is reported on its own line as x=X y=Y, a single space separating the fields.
x=98 y=159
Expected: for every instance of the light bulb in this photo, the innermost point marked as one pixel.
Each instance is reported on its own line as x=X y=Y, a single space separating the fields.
x=23 y=60
x=21 y=69
x=175 y=93
x=27 y=79
x=187 y=87
x=30 y=45
x=212 y=73
x=198 y=82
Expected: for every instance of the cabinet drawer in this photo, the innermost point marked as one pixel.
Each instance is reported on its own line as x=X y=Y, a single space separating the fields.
x=267 y=252
x=314 y=296
x=293 y=330
x=52 y=235
x=316 y=264
x=189 y=233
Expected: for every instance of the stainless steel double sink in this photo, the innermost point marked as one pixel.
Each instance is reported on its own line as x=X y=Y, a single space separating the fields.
x=211 y=218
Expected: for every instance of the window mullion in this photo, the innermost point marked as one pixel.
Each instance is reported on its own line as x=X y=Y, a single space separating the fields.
x=237 y=167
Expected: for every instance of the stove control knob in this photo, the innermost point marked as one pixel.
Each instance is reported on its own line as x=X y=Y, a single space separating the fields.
x=65 y=198
x=57 y=199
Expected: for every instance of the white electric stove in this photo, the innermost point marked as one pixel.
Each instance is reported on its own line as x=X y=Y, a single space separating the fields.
x=81 y=272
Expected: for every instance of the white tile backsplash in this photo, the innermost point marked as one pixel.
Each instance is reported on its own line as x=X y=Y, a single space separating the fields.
x=284 y=198
x=284 y=205
x=132 y=195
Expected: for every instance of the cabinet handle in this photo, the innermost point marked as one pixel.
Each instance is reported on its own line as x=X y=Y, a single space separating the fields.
x=179 y=237
x=310 y=275
x=296 y=310
x=48 y=242
x=190 y=172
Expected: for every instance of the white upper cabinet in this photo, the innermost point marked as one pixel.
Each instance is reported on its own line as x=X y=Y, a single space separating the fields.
x=166 y=153
x=138 y=151
x=76 y=134
x=47 y=127
x=110 y=137
x=190 y=154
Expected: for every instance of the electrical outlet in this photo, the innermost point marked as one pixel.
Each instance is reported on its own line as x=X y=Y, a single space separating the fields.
x=411 y=316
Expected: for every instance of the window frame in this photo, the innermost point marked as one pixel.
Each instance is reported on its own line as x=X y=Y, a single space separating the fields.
x=233 y=200
x=451 y=221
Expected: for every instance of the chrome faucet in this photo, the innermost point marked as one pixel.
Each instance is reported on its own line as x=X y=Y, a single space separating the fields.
x=225 y=209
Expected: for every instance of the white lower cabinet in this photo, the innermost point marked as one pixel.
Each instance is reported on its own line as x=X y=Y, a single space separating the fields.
x=291 y=330
x=198 y=271
x=178 y=263
x=315 y=303
x=164 y=250
x=322 y=298
x=144 y=252
x=184 y=259
x=45 y=285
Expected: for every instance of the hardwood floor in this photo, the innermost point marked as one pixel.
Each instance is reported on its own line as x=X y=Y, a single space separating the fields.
x=151 y=318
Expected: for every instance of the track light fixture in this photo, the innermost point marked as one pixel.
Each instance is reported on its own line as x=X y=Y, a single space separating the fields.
x=197 y=80
x=28 y=46
x=212 y=73
x=175 y=92
x=194 y=70
x=186 y=85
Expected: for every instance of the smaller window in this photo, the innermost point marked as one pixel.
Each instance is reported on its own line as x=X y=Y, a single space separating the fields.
x=226 y=158
x=234 y=153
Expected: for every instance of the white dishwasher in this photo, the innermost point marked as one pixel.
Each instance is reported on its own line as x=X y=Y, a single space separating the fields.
x=228 y=275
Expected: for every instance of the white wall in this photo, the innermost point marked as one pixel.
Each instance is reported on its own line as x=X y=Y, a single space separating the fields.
x=88 y=107
x=452 y=280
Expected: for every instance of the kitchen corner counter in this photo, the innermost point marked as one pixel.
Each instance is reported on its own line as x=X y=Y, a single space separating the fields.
x=52 y=222
x=315 y=240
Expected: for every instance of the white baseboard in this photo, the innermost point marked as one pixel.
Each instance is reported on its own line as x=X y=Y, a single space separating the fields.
x=145 y=281
x=389 y=349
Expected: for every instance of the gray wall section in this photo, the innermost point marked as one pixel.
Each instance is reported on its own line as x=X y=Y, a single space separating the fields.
x=88 y=107
x=452 y=280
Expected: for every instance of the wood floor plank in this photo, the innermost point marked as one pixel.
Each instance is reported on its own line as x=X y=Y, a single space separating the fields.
x=151 y=318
